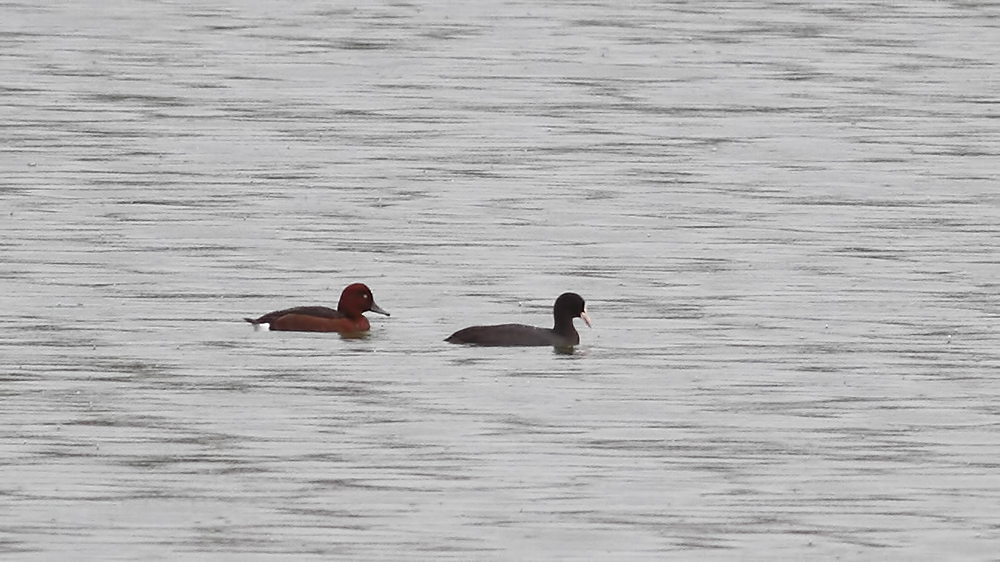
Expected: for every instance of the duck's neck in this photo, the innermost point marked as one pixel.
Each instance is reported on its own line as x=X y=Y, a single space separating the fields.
x=564 y=327
x=350 y=312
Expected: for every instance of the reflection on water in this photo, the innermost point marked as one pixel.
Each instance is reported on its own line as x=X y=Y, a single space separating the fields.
x=783 y=214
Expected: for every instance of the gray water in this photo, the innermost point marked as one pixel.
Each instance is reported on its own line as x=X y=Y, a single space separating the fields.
x=783 y=215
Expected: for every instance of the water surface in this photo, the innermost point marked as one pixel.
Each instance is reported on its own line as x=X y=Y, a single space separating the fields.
x=783 y=217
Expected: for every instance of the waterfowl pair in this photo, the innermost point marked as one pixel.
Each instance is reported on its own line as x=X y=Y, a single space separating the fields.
x=357 y=299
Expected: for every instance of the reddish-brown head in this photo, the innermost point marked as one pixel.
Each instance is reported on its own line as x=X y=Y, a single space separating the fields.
x=357 y=299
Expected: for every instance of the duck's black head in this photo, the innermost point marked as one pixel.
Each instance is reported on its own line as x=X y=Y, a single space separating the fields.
x=569 y=306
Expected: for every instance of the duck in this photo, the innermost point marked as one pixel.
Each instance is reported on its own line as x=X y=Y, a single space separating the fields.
x=355 y=300
x=563 y=334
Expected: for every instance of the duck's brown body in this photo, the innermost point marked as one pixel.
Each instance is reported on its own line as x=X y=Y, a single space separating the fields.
x=347 y=318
